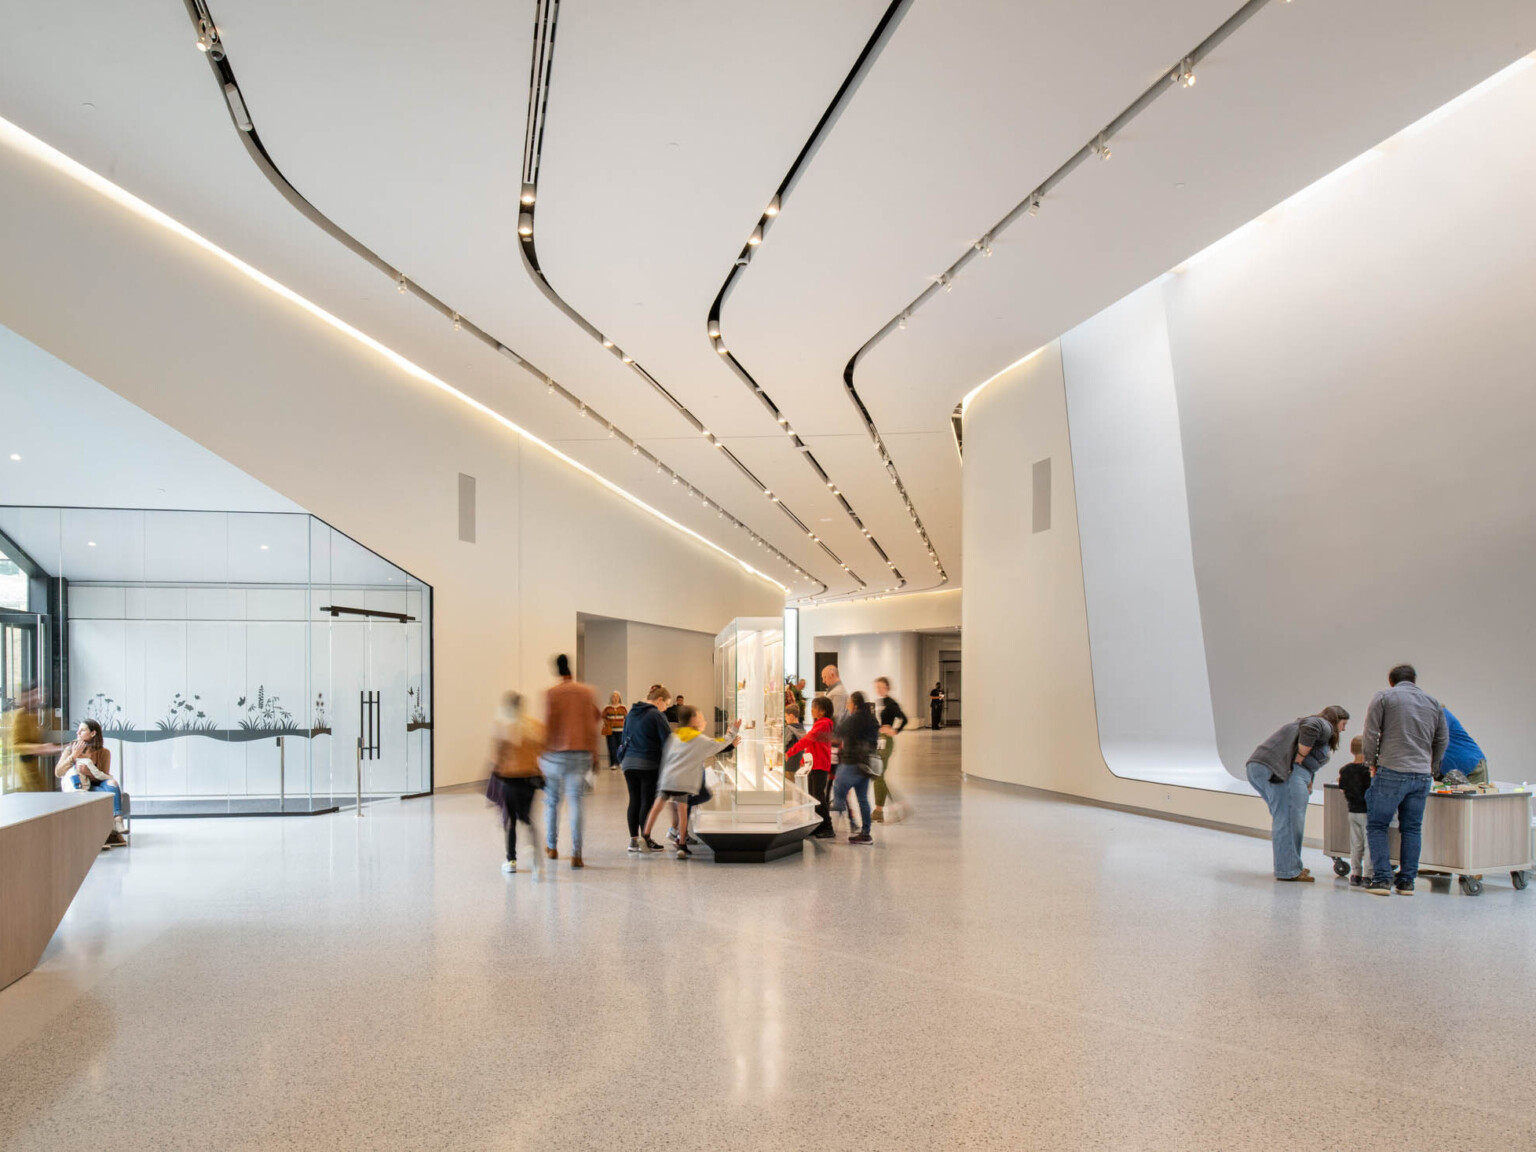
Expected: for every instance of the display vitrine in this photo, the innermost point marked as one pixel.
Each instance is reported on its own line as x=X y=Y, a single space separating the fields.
x=757 y=812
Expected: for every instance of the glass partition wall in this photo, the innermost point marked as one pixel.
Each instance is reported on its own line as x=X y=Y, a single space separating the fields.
x=239 y=663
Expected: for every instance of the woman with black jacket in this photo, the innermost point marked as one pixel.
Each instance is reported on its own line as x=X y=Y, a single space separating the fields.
x=645 y=735
x=858 y=734
x=892 y=721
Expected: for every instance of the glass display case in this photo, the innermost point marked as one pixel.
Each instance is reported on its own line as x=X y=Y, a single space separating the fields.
x=752 y=793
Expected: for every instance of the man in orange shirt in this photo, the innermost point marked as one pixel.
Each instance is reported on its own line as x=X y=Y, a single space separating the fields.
x=570 y=751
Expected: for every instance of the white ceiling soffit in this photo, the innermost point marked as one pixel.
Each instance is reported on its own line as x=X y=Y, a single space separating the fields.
x=406 y=128
x=452 y=168
x=132 y=460
x=127 y=94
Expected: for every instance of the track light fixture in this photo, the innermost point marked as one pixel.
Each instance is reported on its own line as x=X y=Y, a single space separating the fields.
x=607 y=343
x=400 y=283
x=1101 y=147
x=581 y=410
x=984 y=245
x=528 y=194
x=551 y=387
x=757 y=236
x=901 y=322
x=1185 y=76
x=1034 y=204
x=714 y=329
x=627 y=359
x=525 y=224
x=720 y=347
x=458 y=325
x=773 y=207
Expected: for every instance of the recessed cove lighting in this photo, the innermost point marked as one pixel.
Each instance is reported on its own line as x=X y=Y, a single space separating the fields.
x=34 y=149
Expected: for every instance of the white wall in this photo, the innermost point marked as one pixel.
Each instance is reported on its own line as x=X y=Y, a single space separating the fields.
x=1149 y=674
x=605 y=658
x=1357 y=430
x=864 y=657
x=1029 y=705
x=682 y=660
x=1354 y=384
x=345 y=434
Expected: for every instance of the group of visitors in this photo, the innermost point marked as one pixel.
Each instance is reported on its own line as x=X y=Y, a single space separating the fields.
x=850 y=745
x=660 y=745
x=1409 y=740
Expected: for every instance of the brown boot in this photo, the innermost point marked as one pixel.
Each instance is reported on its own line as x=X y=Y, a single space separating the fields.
x=878 y=816
x=576 y=862
x=551 y=854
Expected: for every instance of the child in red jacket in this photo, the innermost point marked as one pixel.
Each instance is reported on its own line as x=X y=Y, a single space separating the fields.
x=818 y=742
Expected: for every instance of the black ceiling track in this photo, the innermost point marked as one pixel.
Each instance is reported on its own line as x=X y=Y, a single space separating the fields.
x=866 y=58
x=1180 y=73
x=239 y=112
x=546 y=22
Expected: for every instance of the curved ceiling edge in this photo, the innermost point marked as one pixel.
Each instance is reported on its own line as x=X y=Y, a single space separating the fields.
x=1181 y=74
x=209 y=43
x=877 y=41
x=546 y=19
x=872 y=47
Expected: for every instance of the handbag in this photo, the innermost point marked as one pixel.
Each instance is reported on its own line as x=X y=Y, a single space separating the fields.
x=874 y=766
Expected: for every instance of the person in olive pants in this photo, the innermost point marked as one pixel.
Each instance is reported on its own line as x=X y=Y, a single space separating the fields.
x=892 y=721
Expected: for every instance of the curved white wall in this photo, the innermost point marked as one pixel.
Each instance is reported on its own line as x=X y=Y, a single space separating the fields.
x=1354 y=416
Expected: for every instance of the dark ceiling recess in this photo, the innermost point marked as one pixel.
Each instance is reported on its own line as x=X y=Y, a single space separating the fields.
x=546 y=21
x=213 y=47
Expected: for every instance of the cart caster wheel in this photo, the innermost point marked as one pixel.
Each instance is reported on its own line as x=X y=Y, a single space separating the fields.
x=1471 y=886
x=1340 y=867
x=1519 y=879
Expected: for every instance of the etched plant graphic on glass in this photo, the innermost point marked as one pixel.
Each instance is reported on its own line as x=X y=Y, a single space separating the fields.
x=264 y=713
x=108 y=713
x=319 y=722
x=415 y=699
x=185 y=715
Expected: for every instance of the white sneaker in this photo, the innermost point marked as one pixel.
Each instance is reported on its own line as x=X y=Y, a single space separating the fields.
x=509 y=866
x=672 y=835
x=636 y=845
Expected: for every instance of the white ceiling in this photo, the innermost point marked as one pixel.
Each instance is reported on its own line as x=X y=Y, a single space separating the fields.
x=84 y=446
x=669 y=126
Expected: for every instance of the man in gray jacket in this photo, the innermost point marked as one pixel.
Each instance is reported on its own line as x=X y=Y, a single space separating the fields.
x=1405 y=738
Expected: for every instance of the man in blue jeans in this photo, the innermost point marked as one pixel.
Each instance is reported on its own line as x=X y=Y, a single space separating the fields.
x=1405 y=738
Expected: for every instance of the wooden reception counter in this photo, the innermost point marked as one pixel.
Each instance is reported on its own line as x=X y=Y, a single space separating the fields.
x=48 y=842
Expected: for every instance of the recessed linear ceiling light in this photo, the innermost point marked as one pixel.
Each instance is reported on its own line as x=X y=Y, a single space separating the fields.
x=30 y=146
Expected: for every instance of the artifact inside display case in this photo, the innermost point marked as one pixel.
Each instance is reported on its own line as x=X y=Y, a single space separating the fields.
x=752 y=794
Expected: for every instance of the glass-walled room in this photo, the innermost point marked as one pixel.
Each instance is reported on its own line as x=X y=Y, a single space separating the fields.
x=238 y=663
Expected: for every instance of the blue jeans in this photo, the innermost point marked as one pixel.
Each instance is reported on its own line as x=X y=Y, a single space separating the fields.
x=850 y=777
x=1400 y=794
x=1287 y=803
x=104 y=786
x=564 y=773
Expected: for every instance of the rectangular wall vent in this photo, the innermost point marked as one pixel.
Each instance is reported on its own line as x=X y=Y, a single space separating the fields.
x=1040 y=516
x=466 y=508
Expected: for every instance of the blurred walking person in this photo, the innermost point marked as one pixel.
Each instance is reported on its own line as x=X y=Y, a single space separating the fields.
x=892 y=721
x=817 y=743
x=515 y=776
x=570 y=752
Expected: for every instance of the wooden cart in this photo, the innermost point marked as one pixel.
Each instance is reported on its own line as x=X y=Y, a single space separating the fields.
x=1465 y=835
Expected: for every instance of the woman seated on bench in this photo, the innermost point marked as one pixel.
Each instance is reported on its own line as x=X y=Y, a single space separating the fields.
x=88 y=763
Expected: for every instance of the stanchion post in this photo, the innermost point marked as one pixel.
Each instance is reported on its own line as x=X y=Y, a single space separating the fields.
x=359 y=777
x=282 y=775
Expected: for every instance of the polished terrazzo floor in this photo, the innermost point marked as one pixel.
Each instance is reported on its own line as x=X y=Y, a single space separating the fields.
x=1005 y=970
